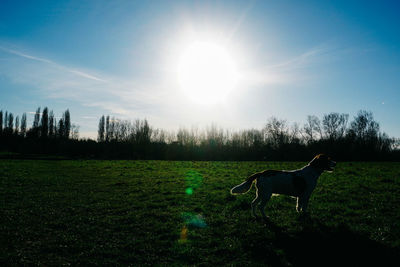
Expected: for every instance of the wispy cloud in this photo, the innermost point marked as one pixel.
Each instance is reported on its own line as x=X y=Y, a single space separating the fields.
x=50 y=62
x=126 y=98
x=86 y=75
x=294 y=69
x=18 y=53
x=314 y=55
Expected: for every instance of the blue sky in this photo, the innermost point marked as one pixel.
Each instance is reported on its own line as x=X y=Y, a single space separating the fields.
x=296 y=58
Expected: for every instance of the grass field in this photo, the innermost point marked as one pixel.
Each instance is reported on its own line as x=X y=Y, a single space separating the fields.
x=181 y=213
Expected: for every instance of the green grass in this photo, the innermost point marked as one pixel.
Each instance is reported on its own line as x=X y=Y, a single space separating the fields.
x=181 y=213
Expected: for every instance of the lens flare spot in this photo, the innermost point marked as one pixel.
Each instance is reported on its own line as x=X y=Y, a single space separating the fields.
x=193 y=179
x=194 y=220
x=189 y=190
x=184 y=233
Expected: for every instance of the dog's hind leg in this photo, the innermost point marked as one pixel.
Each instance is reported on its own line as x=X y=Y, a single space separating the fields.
x=254 y=204
x=265 y=197
x=298 y=205
x=304 y=203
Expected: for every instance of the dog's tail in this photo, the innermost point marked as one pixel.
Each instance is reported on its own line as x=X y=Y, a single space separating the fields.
x=246 y=185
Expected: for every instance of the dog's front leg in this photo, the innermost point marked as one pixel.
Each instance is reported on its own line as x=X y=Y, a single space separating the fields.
x=305 y=204
x=298 y=205
x=254 y=205
x=302 y=202
x=263 y=203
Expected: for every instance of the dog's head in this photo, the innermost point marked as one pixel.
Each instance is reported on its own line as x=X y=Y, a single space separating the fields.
x=323 y=163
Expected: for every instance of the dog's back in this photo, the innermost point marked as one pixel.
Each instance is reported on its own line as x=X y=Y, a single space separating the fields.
x=281 y=182
x=246 y=185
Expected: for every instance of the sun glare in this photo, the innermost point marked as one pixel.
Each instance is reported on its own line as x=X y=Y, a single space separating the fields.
x=206 y=72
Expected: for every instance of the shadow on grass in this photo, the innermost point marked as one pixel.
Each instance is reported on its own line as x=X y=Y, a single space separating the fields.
x=320 y=245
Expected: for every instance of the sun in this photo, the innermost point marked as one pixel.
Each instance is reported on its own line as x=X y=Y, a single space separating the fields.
x=206 y=72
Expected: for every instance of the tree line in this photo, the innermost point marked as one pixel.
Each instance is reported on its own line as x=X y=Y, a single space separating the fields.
x=358 y=139
x=46 y=135
x=45 y=125
x=334 y=134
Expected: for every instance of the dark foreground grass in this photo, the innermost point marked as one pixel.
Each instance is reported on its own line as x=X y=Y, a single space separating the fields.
x=181 y=213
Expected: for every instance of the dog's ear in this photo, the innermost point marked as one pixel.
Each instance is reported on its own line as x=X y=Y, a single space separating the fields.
x=320 y=161
x=314 y=162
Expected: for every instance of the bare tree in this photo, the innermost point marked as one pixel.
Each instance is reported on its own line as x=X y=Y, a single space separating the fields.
x=277 y=132
x=312 y=128
x=143 y=131
x=335 y=125
x=75 y=132
x=214 y=135
x=185 y=137
x=294 y=136
x=364 y=126
x=159 y=136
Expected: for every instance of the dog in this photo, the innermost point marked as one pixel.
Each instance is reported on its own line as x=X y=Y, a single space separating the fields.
x=297 y=183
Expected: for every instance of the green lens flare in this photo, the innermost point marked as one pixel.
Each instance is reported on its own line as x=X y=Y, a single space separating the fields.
x=189 y=190
x=193 y=179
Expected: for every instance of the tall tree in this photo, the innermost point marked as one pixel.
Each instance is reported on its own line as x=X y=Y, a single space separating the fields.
x=23 y=124
x=16 y=125
x=1 y=122
x=5 y=120
x=10 y=122
x=67 y=123
x=36 y=119
x=44 y=123
x=61 y=128
x=51 y=124
x=111 y=129
x=100 y=132
x=108 y=128
x=35 y=125
x=67 y=120
x=55 y=128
